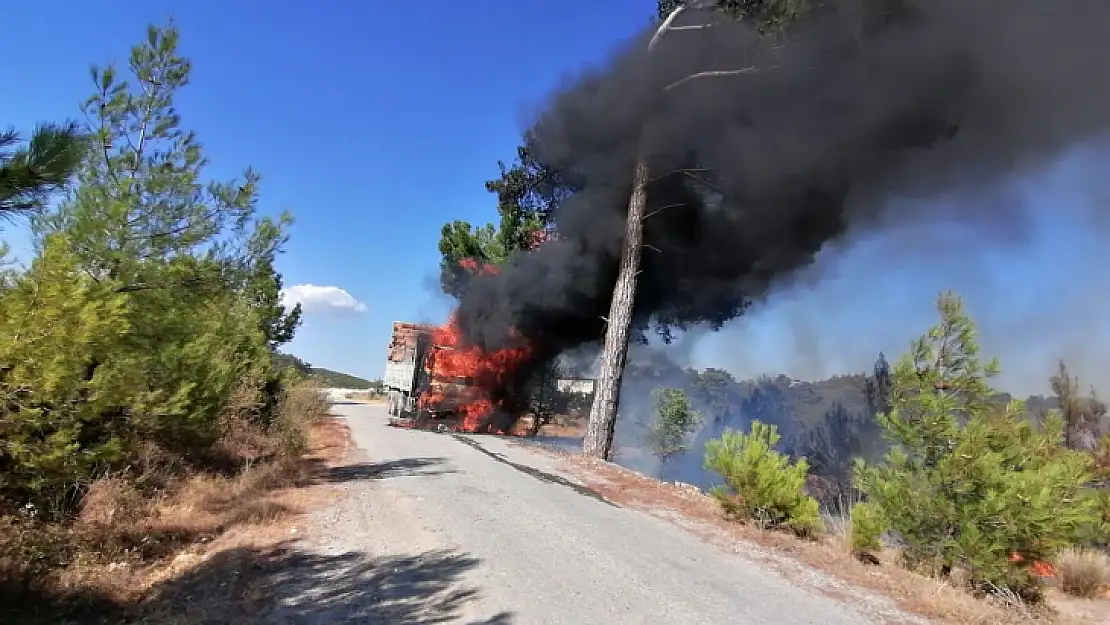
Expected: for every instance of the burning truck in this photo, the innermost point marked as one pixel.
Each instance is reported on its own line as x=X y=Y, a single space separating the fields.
x=433 y=380
x=407 y=375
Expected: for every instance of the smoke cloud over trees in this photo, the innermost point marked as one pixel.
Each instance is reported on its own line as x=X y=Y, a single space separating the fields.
x=757 y=172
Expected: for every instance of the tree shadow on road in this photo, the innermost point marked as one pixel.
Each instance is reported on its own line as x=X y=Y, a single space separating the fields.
x=287 y=586
x=403 y=467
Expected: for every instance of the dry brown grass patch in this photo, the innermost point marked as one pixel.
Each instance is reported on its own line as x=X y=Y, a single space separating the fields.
x=111 y=501
x=1083 y=573
x=565 y=428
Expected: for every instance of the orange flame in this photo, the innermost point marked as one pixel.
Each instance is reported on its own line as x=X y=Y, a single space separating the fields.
x=473 y=266
x=463 y=376
x=542 y=236
x=452 y=361
x=1040 y=568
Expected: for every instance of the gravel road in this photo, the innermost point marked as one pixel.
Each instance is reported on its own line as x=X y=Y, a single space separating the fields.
x=437 y=528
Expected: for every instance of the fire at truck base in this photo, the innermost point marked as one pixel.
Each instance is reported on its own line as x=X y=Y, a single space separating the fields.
x=435 y=382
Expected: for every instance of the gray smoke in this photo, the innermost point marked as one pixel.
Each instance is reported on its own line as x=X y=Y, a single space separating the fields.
x=1036 y=297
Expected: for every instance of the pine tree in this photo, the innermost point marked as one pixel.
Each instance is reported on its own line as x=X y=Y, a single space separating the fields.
x=968 y=485
x=673 y=420
x=60 y=420
x=262 y=284
x=1082 y=415
x=545 y=400
x=830 y=449
x=877 y=388
x=153 y=299
x=142 y=201
x=762 y=484
x=144 y=219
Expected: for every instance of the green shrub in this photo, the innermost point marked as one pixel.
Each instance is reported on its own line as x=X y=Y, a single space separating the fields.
x=868 y=526
x=300 y=404
x=58 y=421
x=967 y=485
x=1097 y=533
x=762 y=484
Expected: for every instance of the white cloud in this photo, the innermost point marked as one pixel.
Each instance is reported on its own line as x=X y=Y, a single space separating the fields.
x=320 y=299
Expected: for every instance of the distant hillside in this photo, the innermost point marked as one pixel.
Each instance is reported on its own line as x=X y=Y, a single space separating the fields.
x=827 y=421
x=327 y=377
x=795 y=406
x=335 y=379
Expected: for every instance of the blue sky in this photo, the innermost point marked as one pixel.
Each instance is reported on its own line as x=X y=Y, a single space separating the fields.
x=375 y=122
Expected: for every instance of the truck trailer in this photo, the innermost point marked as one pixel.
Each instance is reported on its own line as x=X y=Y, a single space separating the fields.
x=411 y=376
x=404 y=365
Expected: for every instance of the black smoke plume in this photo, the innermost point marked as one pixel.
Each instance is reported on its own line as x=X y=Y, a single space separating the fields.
x=753 y=173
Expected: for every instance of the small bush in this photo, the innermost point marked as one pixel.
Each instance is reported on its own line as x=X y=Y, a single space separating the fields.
x=762 y=484
x=868 y=526
x=299 y=405
x=1095 y=532
x=1102 y=458
x=30 y=548
x=111 y=501
x=1083 y=572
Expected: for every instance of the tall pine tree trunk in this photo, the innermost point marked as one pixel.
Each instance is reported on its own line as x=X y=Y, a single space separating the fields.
x=598 y=441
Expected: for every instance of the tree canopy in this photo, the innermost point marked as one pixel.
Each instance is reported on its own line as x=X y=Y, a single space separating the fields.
x=528 y=194
x=968 y=484
x=153 y=302
x=768 y=15
x=673 y=420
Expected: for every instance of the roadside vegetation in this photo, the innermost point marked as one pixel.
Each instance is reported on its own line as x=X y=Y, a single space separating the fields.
x=143 y=407
x=972 y=506
x=145 y=410
x=973 y=491
x=921 y=467
x=672 y=423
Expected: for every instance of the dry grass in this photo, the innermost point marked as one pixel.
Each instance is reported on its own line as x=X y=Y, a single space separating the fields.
x=836 y=516
x=838 y=528
x=124 y=541
x=1083 y=573
x=365 y=397
x=887 y=591
x=568 y=428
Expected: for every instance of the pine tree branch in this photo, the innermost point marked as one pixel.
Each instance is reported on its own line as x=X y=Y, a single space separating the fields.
x=661 y=209
x=664 y=27
x=29 y=175
x=715 y=73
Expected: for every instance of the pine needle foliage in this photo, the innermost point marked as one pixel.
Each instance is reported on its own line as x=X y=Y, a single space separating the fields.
x=762 y=484
x=153 y=298
x=31 y=172
x=673 y=420
x=967 y=485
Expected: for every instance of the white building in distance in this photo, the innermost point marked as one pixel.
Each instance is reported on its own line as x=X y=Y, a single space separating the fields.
x=575 y=385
